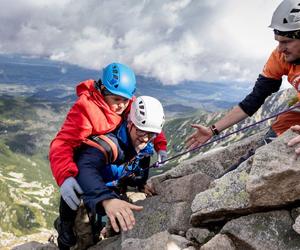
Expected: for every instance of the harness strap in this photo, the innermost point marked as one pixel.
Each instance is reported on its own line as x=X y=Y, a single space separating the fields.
x=105 y=145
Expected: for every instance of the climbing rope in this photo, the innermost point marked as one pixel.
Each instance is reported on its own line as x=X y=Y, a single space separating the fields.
x=158 y=164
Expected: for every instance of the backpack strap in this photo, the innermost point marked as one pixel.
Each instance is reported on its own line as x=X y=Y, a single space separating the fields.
x=105 y=145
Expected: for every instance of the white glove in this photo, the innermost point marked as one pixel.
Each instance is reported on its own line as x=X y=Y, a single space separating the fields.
x=162 y=155
x=67 y=191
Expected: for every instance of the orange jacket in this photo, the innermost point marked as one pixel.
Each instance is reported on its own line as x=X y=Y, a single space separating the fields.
x=90 y=115
x=275 y=68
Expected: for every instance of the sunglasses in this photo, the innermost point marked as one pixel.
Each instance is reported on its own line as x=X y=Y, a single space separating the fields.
x=141 y=133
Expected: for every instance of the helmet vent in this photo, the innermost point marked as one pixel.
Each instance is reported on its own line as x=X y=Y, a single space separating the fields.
x=295 y=10
x=116 y=86
x=142 y=112
x=284 y=20
x=144 y=122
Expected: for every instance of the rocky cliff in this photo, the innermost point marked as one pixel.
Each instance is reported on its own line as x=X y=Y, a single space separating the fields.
x=255 y=206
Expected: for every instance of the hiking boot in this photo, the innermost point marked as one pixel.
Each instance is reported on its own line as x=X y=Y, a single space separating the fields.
x=66 y=237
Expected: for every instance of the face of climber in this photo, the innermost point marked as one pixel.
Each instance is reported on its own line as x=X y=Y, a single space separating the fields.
x=290 y=48
x=139 y=138
x=116 y=103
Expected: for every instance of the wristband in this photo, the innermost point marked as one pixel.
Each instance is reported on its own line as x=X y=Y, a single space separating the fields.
x=214 y=130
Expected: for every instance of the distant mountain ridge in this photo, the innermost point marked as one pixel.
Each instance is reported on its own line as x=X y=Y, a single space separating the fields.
x=44 y=78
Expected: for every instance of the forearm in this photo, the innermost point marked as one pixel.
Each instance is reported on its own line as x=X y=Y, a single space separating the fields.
x=263 y=88
x=234 y=116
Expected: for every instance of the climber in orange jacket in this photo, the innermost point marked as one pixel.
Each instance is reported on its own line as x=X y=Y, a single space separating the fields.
x=284 y=61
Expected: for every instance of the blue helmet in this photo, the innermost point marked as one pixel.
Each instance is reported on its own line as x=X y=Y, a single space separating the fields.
x=119 y=80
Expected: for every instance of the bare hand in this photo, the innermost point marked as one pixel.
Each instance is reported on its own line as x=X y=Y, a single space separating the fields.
x=200 y=136
x=122 y=211
x=295 y=140
x=148 y=190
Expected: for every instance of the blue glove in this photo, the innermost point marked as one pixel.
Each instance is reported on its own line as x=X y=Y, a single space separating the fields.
x=67 y=191
x=162 y=155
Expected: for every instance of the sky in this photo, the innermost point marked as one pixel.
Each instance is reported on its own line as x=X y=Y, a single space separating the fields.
x=171 y=40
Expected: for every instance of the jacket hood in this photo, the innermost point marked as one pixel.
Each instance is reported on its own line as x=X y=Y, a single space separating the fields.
x=84 y=88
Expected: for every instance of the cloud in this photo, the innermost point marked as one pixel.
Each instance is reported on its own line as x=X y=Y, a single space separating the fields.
x=172 y=40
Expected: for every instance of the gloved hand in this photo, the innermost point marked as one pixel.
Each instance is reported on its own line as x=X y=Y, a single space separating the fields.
x=67 y=191
x=162 y=156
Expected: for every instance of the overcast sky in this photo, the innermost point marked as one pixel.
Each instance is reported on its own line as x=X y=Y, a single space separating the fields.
x=172 y=40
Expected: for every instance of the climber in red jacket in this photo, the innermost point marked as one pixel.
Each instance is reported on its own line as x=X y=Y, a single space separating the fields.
x=100 y=108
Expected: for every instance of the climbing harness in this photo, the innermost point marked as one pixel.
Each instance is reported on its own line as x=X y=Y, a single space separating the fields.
x=131 y=168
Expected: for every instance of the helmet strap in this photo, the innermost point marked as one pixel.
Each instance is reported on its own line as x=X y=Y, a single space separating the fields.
x=98 y=84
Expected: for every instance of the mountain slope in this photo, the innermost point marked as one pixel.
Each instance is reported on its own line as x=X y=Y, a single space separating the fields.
x=28 y=200
x=28 y=193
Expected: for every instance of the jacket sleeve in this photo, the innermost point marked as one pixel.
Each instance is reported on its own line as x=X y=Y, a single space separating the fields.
x=263 y=88
x=91 y=163
x=74 y=130
x=160 y=142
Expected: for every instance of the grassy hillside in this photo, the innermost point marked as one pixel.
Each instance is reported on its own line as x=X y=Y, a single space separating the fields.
x=28 y=193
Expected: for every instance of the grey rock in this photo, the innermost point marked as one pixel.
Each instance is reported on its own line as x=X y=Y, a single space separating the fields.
x=159 y=241
x=226 y=196
x=179 y=217
x=275 y=174
x=154 y=218
x=296 y=225
x=215 y=161
x=271 y=230
x=180 y=241
x=220 y=241
x=113 y=243
x=176 y=190
x=295 y=212
x=201 y=235
x=158 y=216
x=33 y=245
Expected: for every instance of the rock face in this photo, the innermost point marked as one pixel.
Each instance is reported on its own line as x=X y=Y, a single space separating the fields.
x=274 y=177
x=225 y=197
x=271 y=230
x=296 y=226
x=255 y=206
x=220 y=241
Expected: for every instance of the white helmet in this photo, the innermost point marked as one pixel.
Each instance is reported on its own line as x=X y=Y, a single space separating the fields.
x=147 y=114
x=287 y=16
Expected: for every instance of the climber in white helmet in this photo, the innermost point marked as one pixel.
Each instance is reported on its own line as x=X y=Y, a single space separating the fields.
x=109 y=162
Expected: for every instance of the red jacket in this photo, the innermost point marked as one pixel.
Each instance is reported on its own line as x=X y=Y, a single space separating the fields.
x=90 y=115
